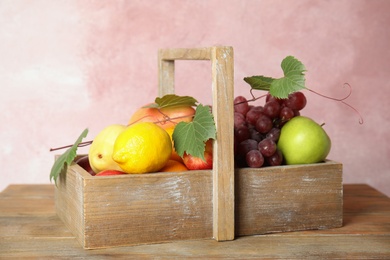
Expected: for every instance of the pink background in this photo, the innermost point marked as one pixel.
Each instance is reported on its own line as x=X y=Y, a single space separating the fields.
x=68 y=65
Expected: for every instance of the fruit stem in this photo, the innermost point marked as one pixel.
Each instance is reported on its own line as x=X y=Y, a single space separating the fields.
x=82 y=144
x=252 y=99
x=341 y=100
x=166 y=118
x=86 y=143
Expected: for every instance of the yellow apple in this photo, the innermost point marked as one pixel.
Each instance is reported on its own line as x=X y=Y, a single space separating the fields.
x=100 y=152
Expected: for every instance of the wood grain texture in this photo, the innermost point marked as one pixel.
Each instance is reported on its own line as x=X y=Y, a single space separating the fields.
x=365 y=233
x=166 y=65
x=69 y=200
x=223 y=149
x=289 y=198
x=136 y=209
x=153 y=208
x=222 y=67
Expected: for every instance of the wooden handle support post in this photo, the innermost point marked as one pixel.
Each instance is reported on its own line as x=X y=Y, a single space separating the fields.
x=222 y=66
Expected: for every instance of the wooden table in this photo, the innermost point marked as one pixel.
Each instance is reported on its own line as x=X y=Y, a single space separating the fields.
x=30 y=228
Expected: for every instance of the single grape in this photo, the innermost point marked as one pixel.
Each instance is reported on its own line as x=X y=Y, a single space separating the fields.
x=273 y=134
x=269 y=98
x=254 y=159
x=253 y=114
x=272 y=109
x=251 y=127
x=275 y=159
x=241 y=105
x=255 y=135
x=239 y=120
x=242 y=149
x=263 y=124
x=267 y=147
x=241 y=133
x=286 y=113
x=296 y=101
x=247 y=145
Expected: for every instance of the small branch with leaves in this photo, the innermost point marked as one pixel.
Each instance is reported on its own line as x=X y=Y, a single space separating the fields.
x=292 y=81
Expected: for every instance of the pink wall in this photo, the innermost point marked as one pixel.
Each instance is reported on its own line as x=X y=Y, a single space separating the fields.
x=68 y=65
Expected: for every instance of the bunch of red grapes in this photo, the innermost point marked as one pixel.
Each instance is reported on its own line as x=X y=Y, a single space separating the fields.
x=257 y=129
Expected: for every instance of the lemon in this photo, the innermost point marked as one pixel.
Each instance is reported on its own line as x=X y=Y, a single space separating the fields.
x=142 y=147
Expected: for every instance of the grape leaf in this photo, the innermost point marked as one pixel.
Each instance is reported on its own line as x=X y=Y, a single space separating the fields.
x=293 y=80
x=172 y=100
x=61 y=163
x=291 y=66
x=190 y=137
x=282 y=87
x=259 y=82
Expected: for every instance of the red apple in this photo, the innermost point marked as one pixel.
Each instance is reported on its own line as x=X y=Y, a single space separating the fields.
x=109 y=172
x=84 y=163
x=196 y=163
x=160 y=116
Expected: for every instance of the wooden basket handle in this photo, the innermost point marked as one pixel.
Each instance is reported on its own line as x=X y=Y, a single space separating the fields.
x=222 y=66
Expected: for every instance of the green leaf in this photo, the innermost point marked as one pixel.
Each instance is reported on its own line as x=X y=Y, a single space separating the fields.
x=259 y=82
x=60 y=165
x=172 y=100
x=293 y=80
x=282 y=87
x=291 y=66
x=190 y=137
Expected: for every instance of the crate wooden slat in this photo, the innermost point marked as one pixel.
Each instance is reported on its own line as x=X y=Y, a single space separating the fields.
x=135 y=209
x=289 y=198
x=160 y=207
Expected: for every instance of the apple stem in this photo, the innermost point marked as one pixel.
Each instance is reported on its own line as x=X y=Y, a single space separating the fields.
x=341 y=100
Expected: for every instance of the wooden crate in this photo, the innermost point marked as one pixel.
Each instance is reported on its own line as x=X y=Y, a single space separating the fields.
x=221 y=203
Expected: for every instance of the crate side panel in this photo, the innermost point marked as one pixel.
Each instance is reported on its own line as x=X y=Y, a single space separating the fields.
x=69 y=201
x=149 y=208
x=289 y=198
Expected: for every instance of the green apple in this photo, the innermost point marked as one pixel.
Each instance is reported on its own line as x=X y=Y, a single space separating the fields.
x=303 y=141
